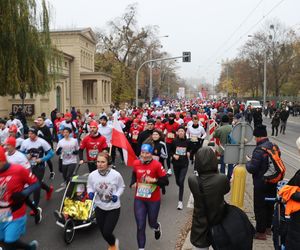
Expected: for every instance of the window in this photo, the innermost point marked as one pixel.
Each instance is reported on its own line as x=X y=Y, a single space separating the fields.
x=66 y=64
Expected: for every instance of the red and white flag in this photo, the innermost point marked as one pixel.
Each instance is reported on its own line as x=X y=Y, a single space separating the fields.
x=119 y=140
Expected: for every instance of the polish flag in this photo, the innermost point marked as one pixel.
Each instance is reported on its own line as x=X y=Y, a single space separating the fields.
x=119 y=140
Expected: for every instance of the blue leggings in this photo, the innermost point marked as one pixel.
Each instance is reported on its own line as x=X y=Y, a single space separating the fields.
x=141 y=210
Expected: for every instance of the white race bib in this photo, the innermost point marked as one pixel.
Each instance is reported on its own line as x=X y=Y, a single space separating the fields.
x=145 y=190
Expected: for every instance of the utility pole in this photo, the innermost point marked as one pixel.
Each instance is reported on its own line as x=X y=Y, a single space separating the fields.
x=265 y=78
x=150 y=80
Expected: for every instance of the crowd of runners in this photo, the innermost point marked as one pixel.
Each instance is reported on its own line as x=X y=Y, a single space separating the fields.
x=165 y=139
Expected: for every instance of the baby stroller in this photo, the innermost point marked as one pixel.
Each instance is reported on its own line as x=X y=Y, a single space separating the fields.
x=75 y=214
x=280 y=221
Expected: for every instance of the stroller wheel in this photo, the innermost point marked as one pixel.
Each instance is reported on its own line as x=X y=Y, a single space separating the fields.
x=69 y=231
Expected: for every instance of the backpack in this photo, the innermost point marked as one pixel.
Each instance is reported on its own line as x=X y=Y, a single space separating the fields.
x=276 y=168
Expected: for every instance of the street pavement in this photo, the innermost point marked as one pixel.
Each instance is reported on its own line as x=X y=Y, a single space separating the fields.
x=291 y=158
x=50 y=236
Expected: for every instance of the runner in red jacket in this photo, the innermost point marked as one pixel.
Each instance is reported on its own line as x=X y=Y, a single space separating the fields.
x=94 y=143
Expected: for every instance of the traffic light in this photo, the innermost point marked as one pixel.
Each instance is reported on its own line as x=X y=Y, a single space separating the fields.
x=186 y=56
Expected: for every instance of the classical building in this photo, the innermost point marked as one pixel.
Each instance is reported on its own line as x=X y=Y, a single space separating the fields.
x=77 y=84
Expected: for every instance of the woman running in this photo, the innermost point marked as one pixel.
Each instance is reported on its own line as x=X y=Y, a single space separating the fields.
x=160 y=152
x=108 y=185
x=180 y=152
x=147 y=177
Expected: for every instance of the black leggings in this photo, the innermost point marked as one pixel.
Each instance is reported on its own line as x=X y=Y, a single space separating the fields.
x=50 y=165
x=113 y=153
x=92 y=166
x=169 y=156
x=39 y=172
x=107 y=221
x=67 y=171
x=180 y=170
x=275 y=128
x=16 y=245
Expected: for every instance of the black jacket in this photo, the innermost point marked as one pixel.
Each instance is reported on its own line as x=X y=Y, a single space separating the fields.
x=180 y=147
x=259 y=163
x=284 y=115
x=215 y=186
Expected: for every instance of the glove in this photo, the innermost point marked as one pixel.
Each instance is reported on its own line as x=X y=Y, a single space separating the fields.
x=114 y=198
x=75 y=152
x=58 y=151
x=18 y=198
x=91 y=195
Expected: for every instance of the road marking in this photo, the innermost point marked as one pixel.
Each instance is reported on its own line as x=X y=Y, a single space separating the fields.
x=190 y=203
x=60 y=189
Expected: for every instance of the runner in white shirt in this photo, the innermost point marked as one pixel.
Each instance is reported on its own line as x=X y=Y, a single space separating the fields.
x=14 y=156
x=14 y=121
x=196 y=135
x=107 y=185
x=13 y=131
x=105 y=129
x=4 y=133
x=68 y=148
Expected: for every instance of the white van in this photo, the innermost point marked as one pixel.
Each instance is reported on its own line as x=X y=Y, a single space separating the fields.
x=253 y=103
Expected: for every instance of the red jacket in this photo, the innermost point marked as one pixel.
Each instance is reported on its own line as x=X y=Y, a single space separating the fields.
x=170 y=130
x=93 y=146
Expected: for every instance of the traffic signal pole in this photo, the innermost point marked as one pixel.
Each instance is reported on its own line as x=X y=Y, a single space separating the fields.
x=151 y=61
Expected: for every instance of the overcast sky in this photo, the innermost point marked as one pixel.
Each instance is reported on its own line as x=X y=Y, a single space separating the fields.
x=202 y=27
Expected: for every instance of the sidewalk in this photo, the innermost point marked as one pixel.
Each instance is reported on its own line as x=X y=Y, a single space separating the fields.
x=248 y=208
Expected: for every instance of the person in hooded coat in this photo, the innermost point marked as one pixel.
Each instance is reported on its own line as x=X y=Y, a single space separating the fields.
x=214 y=187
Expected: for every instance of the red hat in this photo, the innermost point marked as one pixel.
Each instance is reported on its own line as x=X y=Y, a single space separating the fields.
x=68 y=115
x=93 y=124
x=91 y=115
x=11 y=141
x=2 y=154
x=13 y=129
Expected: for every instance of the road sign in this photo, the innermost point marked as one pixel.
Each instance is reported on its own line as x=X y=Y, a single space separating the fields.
x=232 y=153
x=186 y=56
x=237 y=133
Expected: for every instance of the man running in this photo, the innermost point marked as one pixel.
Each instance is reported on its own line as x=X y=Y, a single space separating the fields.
x=14 y=156
x=38 y=151
x=13 y=178
x=93 y=143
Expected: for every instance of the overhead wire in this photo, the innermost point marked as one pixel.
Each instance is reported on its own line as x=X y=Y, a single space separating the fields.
x=236 y=30
x=247 y=32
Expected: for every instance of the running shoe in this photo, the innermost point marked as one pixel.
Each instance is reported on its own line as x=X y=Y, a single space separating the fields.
x=49 y=193
x=158 y=232
x=180 y=205
x=169 y=172
x=38 y=216
x=33 y=245
x=52 y=174
x=115 y=247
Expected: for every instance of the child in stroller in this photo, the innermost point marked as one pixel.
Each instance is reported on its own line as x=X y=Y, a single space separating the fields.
x=76 y=207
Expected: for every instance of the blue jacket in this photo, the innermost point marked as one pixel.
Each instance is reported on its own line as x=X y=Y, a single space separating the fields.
x=259 y=163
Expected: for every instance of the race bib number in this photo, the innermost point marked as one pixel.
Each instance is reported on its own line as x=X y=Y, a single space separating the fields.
x=155 y=157
x=93 y=153
x=194 y=138
x=134 y=137
x=181 y=151
x=145 y=190
x=202 y=120
x=170 y=136
x=5 y=215
x=67 y=154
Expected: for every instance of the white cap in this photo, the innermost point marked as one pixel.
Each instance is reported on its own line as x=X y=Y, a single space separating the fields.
x=80 y=188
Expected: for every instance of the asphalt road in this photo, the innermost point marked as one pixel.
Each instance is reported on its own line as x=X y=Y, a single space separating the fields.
x=50 y=236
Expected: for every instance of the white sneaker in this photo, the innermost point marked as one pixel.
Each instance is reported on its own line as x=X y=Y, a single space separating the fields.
x=117 y=244
x=180 y=205
x=169 y=172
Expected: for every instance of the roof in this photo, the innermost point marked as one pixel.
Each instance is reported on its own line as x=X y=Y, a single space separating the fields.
x=85 y=32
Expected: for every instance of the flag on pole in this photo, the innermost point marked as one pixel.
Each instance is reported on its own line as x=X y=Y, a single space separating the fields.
x=119 y=140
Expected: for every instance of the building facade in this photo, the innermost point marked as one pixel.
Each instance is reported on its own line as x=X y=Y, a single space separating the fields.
x=77 y=84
